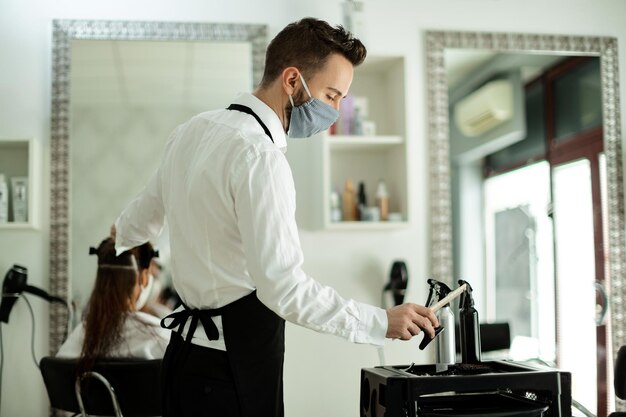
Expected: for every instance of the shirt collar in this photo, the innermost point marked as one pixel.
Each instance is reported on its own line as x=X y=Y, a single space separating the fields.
x=269 y=117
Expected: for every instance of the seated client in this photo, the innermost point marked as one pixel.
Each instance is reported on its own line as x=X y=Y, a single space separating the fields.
x=113 y=326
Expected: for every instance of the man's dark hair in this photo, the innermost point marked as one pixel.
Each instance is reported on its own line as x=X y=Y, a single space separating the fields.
x=306 y=45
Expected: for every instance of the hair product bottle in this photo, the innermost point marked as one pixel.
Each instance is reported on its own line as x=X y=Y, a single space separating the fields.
x=361 y=201
x=20 y=198
x=446 y=347
x=382 y=200
x=357 y=123
x=335 y=207
x=4 y=200
x=348 y=201
x=469 y=326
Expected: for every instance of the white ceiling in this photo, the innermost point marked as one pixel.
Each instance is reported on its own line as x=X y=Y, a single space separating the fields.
x=195 y=74
x=201 y=75
x=462 y=62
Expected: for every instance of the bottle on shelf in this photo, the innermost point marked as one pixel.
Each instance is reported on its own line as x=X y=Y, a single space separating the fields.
x=382 y=200
x=361 y=201
x=20 y=198
x=335 y=206
x=345 y=121
x=348 y=202
x=357 y=123
x=4 y=200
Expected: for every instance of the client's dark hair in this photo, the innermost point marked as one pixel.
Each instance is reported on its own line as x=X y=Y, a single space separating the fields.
x=109 y=303
x=144 y=255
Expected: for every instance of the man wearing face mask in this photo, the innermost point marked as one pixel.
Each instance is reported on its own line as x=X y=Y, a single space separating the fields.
x=227 y=192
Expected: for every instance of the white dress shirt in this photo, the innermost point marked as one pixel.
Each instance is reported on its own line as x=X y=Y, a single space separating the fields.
x=142 y=337
x=228 y=194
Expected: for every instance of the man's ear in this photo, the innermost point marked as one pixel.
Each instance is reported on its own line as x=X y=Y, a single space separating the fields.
x=289 y=79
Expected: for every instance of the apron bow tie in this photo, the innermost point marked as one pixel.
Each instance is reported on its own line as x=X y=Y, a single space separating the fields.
x=179 y=318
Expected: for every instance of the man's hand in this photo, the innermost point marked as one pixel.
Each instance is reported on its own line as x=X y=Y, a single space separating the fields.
x=407 y=320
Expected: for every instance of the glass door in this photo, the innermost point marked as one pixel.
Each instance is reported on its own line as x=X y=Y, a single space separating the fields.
x=520 y=266
x=575 y=277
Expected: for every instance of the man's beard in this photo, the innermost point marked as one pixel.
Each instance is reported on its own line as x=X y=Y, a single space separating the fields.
x=299 y=97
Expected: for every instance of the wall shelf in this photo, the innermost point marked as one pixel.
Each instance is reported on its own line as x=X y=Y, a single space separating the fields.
x=366 y=225
x=344 y=142
x=21 y=158
x=323 y=163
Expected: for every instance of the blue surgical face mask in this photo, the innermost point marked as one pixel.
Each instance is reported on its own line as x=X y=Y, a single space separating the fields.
x=310 y=117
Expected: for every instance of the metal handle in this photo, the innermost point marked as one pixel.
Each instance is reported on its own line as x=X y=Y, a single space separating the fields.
x=108 y=386
x=445 y=300
x=605 y=303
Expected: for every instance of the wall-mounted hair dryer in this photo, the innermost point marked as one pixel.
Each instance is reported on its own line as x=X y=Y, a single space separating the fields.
x=14 y=285
x=398 y=281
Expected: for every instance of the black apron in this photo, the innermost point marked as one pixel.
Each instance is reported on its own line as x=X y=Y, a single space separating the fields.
x=247 y=379
x=255 y=347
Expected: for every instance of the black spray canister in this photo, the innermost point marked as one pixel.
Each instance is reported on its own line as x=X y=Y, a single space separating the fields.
x=469 y=327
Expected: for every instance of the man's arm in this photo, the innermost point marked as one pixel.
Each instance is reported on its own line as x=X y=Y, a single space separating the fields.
x=142 y=220
x=265 y=205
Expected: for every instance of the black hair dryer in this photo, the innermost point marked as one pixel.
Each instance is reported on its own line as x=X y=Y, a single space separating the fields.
x=12 y=288
x=398 y=281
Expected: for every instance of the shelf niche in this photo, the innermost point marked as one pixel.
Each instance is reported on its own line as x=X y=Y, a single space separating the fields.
x=20 y=158
x=322 y=164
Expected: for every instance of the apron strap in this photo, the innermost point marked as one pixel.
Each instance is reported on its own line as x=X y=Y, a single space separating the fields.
x=248 y=110
x=179 y=318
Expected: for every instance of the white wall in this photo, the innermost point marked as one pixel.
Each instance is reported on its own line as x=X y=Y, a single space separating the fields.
x=322 y=373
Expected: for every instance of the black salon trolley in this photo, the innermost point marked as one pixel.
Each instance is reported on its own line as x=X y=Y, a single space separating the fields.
x=485 y=389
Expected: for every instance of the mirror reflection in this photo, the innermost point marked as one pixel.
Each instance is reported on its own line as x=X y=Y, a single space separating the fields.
x=127 y=96
x=528 y=183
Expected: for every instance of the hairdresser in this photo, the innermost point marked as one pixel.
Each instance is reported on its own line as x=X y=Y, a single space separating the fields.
x=227 y=192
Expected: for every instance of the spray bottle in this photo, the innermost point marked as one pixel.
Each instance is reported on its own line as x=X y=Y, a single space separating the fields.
x=446 y=350
x=469 y=326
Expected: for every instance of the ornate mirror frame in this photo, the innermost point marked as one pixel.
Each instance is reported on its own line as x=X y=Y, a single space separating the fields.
x=440 y=210
x=64 y=32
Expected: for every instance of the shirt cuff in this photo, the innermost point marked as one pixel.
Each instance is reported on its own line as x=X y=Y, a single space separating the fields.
x=372 y=325
x=121 y=245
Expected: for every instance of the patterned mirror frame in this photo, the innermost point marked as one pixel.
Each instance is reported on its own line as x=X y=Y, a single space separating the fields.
x=64 y=32
x=605 y=48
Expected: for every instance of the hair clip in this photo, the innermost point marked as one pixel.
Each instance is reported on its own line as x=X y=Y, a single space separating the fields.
x=155 y=253
x=110 y=266
x=93 y=251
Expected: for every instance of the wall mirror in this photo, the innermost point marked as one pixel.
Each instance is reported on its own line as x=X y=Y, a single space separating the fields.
x=527 y=193
x=119 y=89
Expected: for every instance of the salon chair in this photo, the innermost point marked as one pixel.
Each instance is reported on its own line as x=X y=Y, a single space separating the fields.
x=619 y=379
x=493 y=336
x=114 y=387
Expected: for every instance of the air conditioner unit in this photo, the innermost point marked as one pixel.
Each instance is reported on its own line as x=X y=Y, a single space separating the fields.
x=484 y=109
